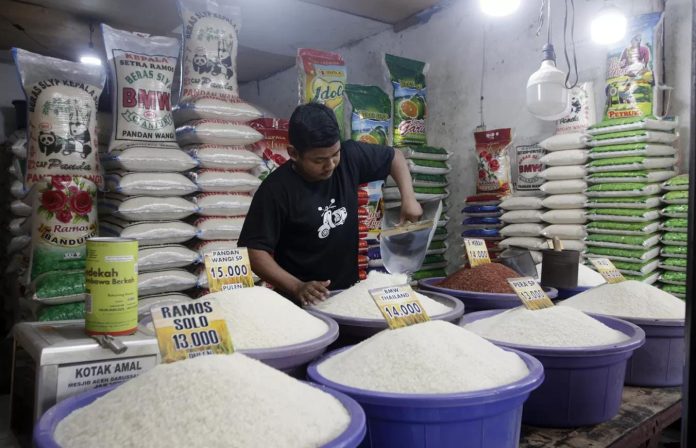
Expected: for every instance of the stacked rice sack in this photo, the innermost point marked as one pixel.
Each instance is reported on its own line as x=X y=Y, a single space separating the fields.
x=481 y=220
x=58 y=193
x=20 y=238
x=212 y=125
x=675 y=209
x=630 y=157
x=522 y=218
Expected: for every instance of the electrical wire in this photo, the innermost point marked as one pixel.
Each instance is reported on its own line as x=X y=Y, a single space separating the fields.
x=572 y=42
x=540 y=20
x=482 y=125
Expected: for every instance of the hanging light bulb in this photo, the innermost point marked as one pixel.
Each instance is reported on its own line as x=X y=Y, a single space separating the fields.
x=609 y=26
x=499 y=8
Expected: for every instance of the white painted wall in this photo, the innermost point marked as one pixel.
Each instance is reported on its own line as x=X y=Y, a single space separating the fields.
x=452 y=42
x=10 y=90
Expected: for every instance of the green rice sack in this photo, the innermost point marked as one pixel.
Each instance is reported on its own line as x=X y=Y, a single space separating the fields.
x=676 y=211
x=674 y=264
x=630 y=255
x=371 y=114
x=623 y=228
x=622 y=214
x=648 y=176
x=673 y=278
x=421 y=193
x=632 y=149
x=643 y=202
x=425 y=153
x=676 y=197
x=627 y=189
x=676 y=225
x=649 y=122
x=59 y=287
x=676 y=290
x=423 y=180
x=648 y=278
x=675 y=238
x=437 y=248
x=410 y=105
x=677 y=183
x=631 y=163
x=428 y=166
x=675 y=251
x=440 y=234
x=638 y=136
x=66 y=311
x=623 y=241
x=638 y=269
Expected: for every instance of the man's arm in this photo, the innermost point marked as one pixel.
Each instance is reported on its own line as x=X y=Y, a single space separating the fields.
x=307 y=293
x=410 y=208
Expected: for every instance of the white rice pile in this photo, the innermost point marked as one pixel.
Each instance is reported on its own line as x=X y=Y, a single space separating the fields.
x=587 y=277
x=209 y=401
x=258 y=317
x=431 y=357
x=550 y=327
x=357 y=302
x=629 y=299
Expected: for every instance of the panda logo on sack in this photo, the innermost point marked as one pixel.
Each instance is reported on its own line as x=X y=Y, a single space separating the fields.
x=222 y=64
x=78 y=139
x=331 y=218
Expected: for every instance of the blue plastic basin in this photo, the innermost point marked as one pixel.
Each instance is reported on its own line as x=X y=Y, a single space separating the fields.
x=44 y=429
x=583 y=385
x=566 y=293
x=479 y=301
x=480 y=419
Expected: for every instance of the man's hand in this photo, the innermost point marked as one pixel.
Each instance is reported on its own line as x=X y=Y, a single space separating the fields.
x=311 y=293
x=411 y=210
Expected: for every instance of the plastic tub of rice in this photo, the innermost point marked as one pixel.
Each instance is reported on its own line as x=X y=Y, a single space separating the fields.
x=660 y=362
x=432 y=385
x=266 y=326
x=584 y=360
x=359 y=317
x=215 y=400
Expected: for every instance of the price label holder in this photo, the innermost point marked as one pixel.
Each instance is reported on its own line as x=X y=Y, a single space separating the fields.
x=608 y=270
x=530 y=293
x=399 y=305
x=476 y=252
x=188 y=330
x=228 y=269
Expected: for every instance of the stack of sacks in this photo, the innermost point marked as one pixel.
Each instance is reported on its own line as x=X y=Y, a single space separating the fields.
x=18 y=244
x=674 y=239
x=146 y=176
x=523 y=226
x=481 y=214
x=564 y=188
x=212 y=124
x=630 y=157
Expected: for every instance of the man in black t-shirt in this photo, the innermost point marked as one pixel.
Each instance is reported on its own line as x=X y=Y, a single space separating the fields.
x=302 y=227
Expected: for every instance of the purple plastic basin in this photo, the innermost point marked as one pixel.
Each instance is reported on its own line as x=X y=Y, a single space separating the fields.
x=583 y=385
x=364 y=328
x=566 y=293
x=478 y=301
x=660 y=362
x=480 y=419
x=43 y=431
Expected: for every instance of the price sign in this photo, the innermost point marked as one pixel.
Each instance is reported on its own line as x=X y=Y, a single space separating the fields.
x=476 y=252
x=228 y=269
x=399 y=306
x=608 y=270
x=188 y=330
x=530 y=293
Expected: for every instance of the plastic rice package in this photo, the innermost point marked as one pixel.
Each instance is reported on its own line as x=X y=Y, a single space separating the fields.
x=223 y=157
x=564 y=231
x=566 y=158
x=484 y=199
x=675 y=225
x=146 y=303
x=19 y=147
x=676 y=290
x=627 y=189
x=648 y=279
x=673 y=278
x=677 y=183
x=674 y=264
x=569 y=216
x=674 y=251
x=440 y=234
x=146 y=208
x=18 y=243
x=623 y=241
x=20 y=208
x=142 y=72
x=622 y=214
x=524 y=242
x=522 y=216
x=371 y=114
x=139 y=159
x=632 y=149
x=492 y=148
x=170 y=280
x=480 y=233
x=425 y=153
x=564 y=172
x=643 y=202
x=273 y=148
x=149 y=184
x=582 y=110
x=623 y=228
x=680 y=197
x=216 y=132
x=19 y=226
x=482 y=223
x=640 y=136
x=225 y=181
x=62 y=99
x=222 y=204
x=675 y=238
x=528 y=168
x=565 y=201
x=639 y=269
x=632 y=163
x=56 y=287
x=155 y=258
x=233 y=109
x=671 y=211
x=410 y=104
x=521 y=203
x=528 y=230
x=428 y=166
x=17 y=189
x=633 y=123
x=569 y=186
x=649 y=176
x=631 y=255
x=322 y=79
x=437 y=248
x=148 y=233
x=65 y=311
x=563 y=142
x=219 y=228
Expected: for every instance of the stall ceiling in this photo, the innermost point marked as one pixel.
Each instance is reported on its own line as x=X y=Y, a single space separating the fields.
x=271 y=32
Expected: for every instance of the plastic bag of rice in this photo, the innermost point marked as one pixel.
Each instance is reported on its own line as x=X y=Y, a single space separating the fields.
x=149 y=184
x=493 y=161
x=677 y=183
x=521 y=203
x=675 y=238
x=410 y=107
x=564 y=172
x=527 y=169
x=582 y=111
x=146 y=208
x=223 y=204
x=425 y=153
x=225 y=181
x=569 y=186
x=564 y=231
x=633 y=123
x=637 y=136
x=169 y=280
x=565 y=158
x=569 y=216
x=579 y=246
x=428 y=166
x=148 y=159
x=623 y=241
x=649 y=176
x=563 y=142
x=623 y=228
x=565 y=201
x=522 y=216
x=206 y=247
x=521 y=230
x=623 y=214
x=273 y=148
x=219 y=228
x=675 y=225
x=673 y=278
x=643 y=202
x=20 y=208
x=680 y=197
x=671 y=211
x=632 y=149
x=676 y=290
x=674 y=251
x=630 y=255
x=524 y=242
x=625 y=189
x=156 y=258
x=224 y=157
x=149 y=233
x=56 y=287
x=631 y=163
x=674 y=264
x=638 y=269
x=216 y=132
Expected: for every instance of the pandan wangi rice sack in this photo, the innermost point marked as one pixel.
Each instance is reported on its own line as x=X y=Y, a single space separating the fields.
x=675 y=225
x=675 y=251
x=622 y=214
x=623 y=228
x=640 y=136
x=676 y=290
x=369 y=120
x=631 y=255
x=410 y=103
x=623 y=241
x=645 y=268
x=676 y=211
x=632 y=149
x=630 y=202
x=674 y=264
x=632 y=124
x=631 y=163
x=675 y=238
x=680 y=197
x=649 y=176
x=673 y=278
x=626 y=189
x=677 y=183
x=582 y=110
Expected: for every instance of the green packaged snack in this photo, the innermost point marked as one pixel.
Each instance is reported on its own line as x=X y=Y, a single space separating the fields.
x=675 y=251
x=65 y=311
x=410 y=105
x=623 y=228
x=676 y=211
x=675 y=238
x=677 y=183
x=369 y=120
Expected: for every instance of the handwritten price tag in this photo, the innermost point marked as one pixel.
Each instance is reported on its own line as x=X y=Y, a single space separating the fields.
x=476 y=252
x=399 y=306
x=530 y=293
x=228 y=269
x=188 y=330
x=608 y=270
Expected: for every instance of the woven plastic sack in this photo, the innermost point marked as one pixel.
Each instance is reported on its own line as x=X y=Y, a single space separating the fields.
x=623 y=228
x=622 y=214
x=627 y=189
x=632 y=149
x=677 y=183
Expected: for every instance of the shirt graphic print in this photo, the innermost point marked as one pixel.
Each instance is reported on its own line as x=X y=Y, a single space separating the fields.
x=331 y=218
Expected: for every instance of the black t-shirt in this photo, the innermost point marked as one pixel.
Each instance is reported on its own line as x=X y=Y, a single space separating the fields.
x=311 y=228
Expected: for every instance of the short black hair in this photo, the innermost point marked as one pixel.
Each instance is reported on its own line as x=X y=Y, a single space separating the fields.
x=313 y=125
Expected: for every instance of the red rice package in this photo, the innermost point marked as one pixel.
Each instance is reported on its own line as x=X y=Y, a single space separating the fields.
x=273 y=149
x=493 y=160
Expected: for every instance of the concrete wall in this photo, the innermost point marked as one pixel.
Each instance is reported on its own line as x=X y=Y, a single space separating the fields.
x=10 y=90
x=452 y=43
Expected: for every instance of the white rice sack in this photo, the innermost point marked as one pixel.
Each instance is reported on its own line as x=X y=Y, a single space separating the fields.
x=148 y=233
x=636 y=137
x=211 y=109
x=565 y=158
x=521 y=203
x=20 y=208
x=521 y=216
x=562 y=142
x=19 y=226
x=217 y=132
x=565 y=201
x=643 y=202
x=393 y=193
x=19 y=147
x=565 y=231
x=621 y=190
x=223 y=204
x=646 y=123
x=17 y=189
x=225 y=181
x=630 y=176
x=18 y=243
x=524 y=242
x=635 y=149
x=139 y=159
x=428 y=166
x=146 y=303
x=631 y=164
x=149 y=184
x=146 y=208
x=532 y=230
x=564 y=172
x=155 y=258
x=170 y=280
x=564 y=186
x=576 y=216
x=567 y=245
x=206 y=247
x=224 y=157
x=219 y=228
x=142 y=71
x=582 y=112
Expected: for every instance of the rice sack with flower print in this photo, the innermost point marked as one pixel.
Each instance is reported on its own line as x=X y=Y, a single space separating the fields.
x=64 y=217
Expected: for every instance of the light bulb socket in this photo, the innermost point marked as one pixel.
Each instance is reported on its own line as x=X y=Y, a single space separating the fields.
x=549 y=53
